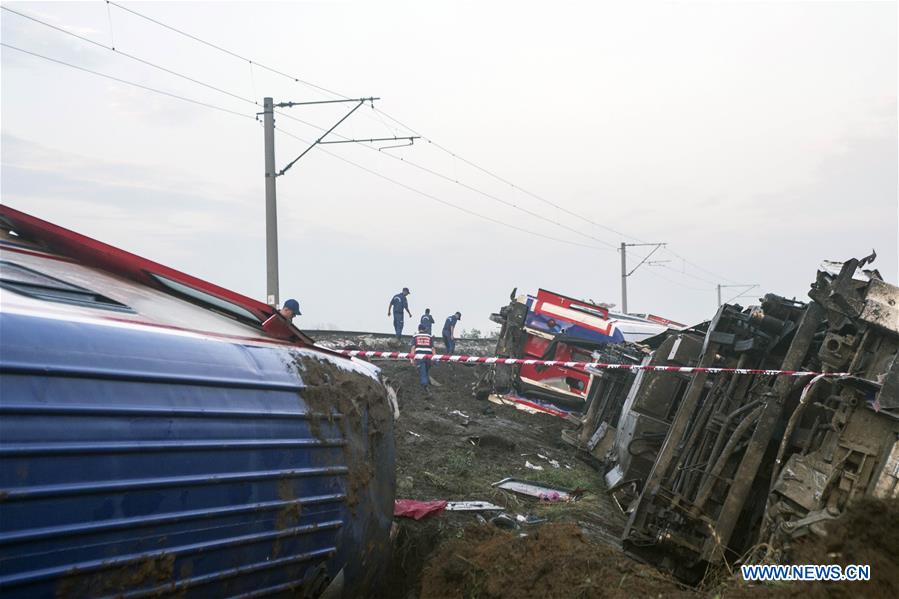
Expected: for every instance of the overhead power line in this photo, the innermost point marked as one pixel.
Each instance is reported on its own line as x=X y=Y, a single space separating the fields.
x=225 y=50
x=287 y=133
x=334 y=93
x=289 y=116
x=509 y=183
x=684 y=273
x=440 y=200
x=126 y=82
x=414 y=131
x=464 y=185
x=130 y=56
x=337 y=94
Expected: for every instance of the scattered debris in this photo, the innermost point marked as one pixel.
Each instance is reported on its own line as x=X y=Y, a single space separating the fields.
x=527 y=464
x=504 y=520
x=455 y=463
x=551 y=461
x=531 y=406
x=530 y=519
x=471 y=506
x=552 y=496
x=464 y=419
x=537 y=490
x=412 y=508
x=414 y=434
x=493 y=441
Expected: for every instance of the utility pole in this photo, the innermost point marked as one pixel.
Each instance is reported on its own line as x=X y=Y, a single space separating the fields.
x=271 y=173
x=747 y=289
x=271 y=208
x=625 y=274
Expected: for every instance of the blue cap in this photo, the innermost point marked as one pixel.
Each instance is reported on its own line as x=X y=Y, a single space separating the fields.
x=294 y=306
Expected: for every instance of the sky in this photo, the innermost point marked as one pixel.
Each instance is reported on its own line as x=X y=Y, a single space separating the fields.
x=755 y=139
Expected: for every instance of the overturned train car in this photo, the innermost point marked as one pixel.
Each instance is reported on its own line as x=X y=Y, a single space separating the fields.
x=159 y=436
x=708 y=465
x=551 y=326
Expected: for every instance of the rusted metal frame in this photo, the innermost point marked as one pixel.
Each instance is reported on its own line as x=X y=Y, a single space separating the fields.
x=767 y=423
x=705 y=490
x=670 y=447
x=722 y=435
x=723 y=407
x=725 y=425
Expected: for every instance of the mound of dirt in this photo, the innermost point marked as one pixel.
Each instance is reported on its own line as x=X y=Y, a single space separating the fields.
x=867 y=533
x=555 y=560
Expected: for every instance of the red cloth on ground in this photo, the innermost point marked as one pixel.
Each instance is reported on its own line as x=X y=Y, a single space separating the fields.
x=411 y=508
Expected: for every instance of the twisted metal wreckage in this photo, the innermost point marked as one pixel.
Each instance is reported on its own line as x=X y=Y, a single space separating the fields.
x=713 y=467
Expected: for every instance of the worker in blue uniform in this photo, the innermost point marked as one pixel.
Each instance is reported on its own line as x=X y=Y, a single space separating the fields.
x=423 y=344
x=397 y=304
x=449 y=331
x=427 y=321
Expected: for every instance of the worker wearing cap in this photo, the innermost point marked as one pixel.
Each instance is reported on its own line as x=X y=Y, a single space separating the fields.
x=397 y=304
x=422 y=344
x=290 y=309
x=277 y=324
x=449 y=330
x=427 y=321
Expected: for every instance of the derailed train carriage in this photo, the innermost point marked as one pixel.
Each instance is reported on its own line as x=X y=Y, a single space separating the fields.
x=161 y=435
x=708 y=466
x=552 y=326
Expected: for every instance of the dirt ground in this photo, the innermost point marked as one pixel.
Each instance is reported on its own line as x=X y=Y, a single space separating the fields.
x=868 y=533
x=454 y=458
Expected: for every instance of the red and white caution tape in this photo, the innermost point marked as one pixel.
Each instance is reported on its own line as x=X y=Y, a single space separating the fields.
x=390 y=355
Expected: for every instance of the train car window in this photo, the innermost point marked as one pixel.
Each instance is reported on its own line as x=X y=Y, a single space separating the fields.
x=207 y=299
x=32 y=283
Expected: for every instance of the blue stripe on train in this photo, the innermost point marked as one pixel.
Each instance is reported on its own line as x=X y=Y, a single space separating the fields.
x=138 y=462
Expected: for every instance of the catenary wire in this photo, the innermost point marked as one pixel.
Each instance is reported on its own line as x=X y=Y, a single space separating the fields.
x=371 y=171
x=459 y=183
x=131 y=56
x=436 y=199
x=226 y=51
x=397 y=121
x=286 y=115
x=126 y=82
x=411 y=163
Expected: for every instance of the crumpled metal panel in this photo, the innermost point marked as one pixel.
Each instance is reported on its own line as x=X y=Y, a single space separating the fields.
x=882 y=306
x=803 y=480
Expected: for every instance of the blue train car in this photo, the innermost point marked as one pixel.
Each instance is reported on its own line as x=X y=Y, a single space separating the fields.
x=155 y=440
